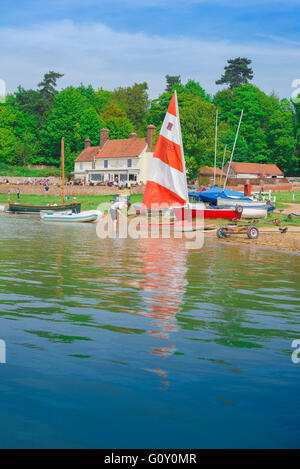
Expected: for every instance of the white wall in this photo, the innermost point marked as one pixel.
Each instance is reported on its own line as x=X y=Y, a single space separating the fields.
x=139 y=165
x=144 y=164
x=116 y=163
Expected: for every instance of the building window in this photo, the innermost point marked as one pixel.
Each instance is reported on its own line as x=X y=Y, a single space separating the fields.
x=93 y=165
x=80 y=165
x=123 y=177
x=129 y=163
x=97 y=177
x=105 y=164
x=132 y=177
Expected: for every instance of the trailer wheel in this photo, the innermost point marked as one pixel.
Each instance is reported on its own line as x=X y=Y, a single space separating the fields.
x=239 y=209
x=221 y=233
x=252 y=232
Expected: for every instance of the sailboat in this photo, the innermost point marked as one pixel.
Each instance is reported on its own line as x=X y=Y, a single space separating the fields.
x=167 y=182
x=226 y=198
x=75 y=207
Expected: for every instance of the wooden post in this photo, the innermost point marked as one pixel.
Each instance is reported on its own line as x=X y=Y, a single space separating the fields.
x=63 y=169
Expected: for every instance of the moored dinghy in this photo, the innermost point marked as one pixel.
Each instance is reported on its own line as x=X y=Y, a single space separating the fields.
x=16 y=207
x=88 y=216
x=22 y=209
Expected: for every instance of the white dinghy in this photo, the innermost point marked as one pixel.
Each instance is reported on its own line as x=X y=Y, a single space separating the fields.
x=88 y=216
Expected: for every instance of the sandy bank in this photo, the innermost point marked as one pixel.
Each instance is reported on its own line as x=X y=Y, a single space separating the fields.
x=270 y=237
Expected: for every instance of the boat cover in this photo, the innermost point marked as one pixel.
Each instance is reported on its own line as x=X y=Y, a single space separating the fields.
x=211 y=195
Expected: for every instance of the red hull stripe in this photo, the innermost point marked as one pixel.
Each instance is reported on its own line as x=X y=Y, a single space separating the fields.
x=168 y=152
x=155 y=193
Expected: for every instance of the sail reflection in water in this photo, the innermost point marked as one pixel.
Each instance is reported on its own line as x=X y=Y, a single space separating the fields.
x=164 y=269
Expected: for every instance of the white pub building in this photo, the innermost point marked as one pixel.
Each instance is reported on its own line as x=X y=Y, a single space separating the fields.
x=125 y=160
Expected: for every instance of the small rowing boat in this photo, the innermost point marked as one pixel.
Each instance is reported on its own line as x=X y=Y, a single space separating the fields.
x=15 y=207
x=88 y=216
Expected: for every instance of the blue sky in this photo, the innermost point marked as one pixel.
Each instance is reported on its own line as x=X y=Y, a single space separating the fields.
x=119 y=42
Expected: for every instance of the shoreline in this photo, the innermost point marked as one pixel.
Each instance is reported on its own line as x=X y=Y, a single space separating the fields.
x=269 y=238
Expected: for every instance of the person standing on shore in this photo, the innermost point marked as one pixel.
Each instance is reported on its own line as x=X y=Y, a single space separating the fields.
x=18 y=193
x=116 y=208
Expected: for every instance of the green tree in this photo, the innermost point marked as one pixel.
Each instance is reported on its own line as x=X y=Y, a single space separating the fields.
x=27 y=150
x=63 y=121
x=296 y=124
x=69 y=158
x=48 y=89
x=24 y=128
x=172 y=80
x=266 y=133
x=38 y=102
x=103 y=99
x=237 y=73
x=90 y=124
x=112 y=110
x=30 y=102
x=198 y=135
x=119 y=128
x=134 y=101
x=8 y=146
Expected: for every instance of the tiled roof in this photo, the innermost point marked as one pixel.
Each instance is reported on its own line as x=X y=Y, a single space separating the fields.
x=256 y=168
x=127 y=148
x=209 y=170
x=88 y=154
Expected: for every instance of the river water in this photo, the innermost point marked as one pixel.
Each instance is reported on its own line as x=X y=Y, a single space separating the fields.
x=123 y=343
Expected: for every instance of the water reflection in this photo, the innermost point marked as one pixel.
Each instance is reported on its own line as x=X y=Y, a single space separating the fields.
x=164 y=269
x=84 y=318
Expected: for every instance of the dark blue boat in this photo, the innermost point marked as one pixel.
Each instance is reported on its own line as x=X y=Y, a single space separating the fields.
x=211 y=195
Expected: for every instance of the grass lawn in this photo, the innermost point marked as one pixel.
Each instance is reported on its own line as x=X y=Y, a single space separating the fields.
x=23 y=171
x=89 y=201
x=287 y=197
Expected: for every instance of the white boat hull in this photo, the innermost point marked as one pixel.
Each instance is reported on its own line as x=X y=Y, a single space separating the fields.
x=88 y=216
x=234 y=202
x=254 y=212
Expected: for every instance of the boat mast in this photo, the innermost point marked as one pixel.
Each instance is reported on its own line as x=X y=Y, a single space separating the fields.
x=182 y=153
x=221 y=177
x=236 y=136
x=216 y=138
x=63 y=169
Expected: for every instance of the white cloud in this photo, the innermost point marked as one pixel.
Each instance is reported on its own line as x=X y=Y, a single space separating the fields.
x=94 y=53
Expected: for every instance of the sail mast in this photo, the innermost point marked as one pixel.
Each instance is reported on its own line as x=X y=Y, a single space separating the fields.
x=236 y=136
x=216 y=138
x=182 y=153
x=221 y=177
x=63 y=169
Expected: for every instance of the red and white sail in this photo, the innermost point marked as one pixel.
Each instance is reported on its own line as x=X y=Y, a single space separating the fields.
x=166 y=183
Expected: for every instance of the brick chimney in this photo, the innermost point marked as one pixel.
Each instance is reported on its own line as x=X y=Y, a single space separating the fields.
x=104 y=136
x=87 y=142
x=150 y=136
x=132 y=135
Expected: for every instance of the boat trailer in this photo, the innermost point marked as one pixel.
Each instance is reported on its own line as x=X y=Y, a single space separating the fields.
x=225 y=231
